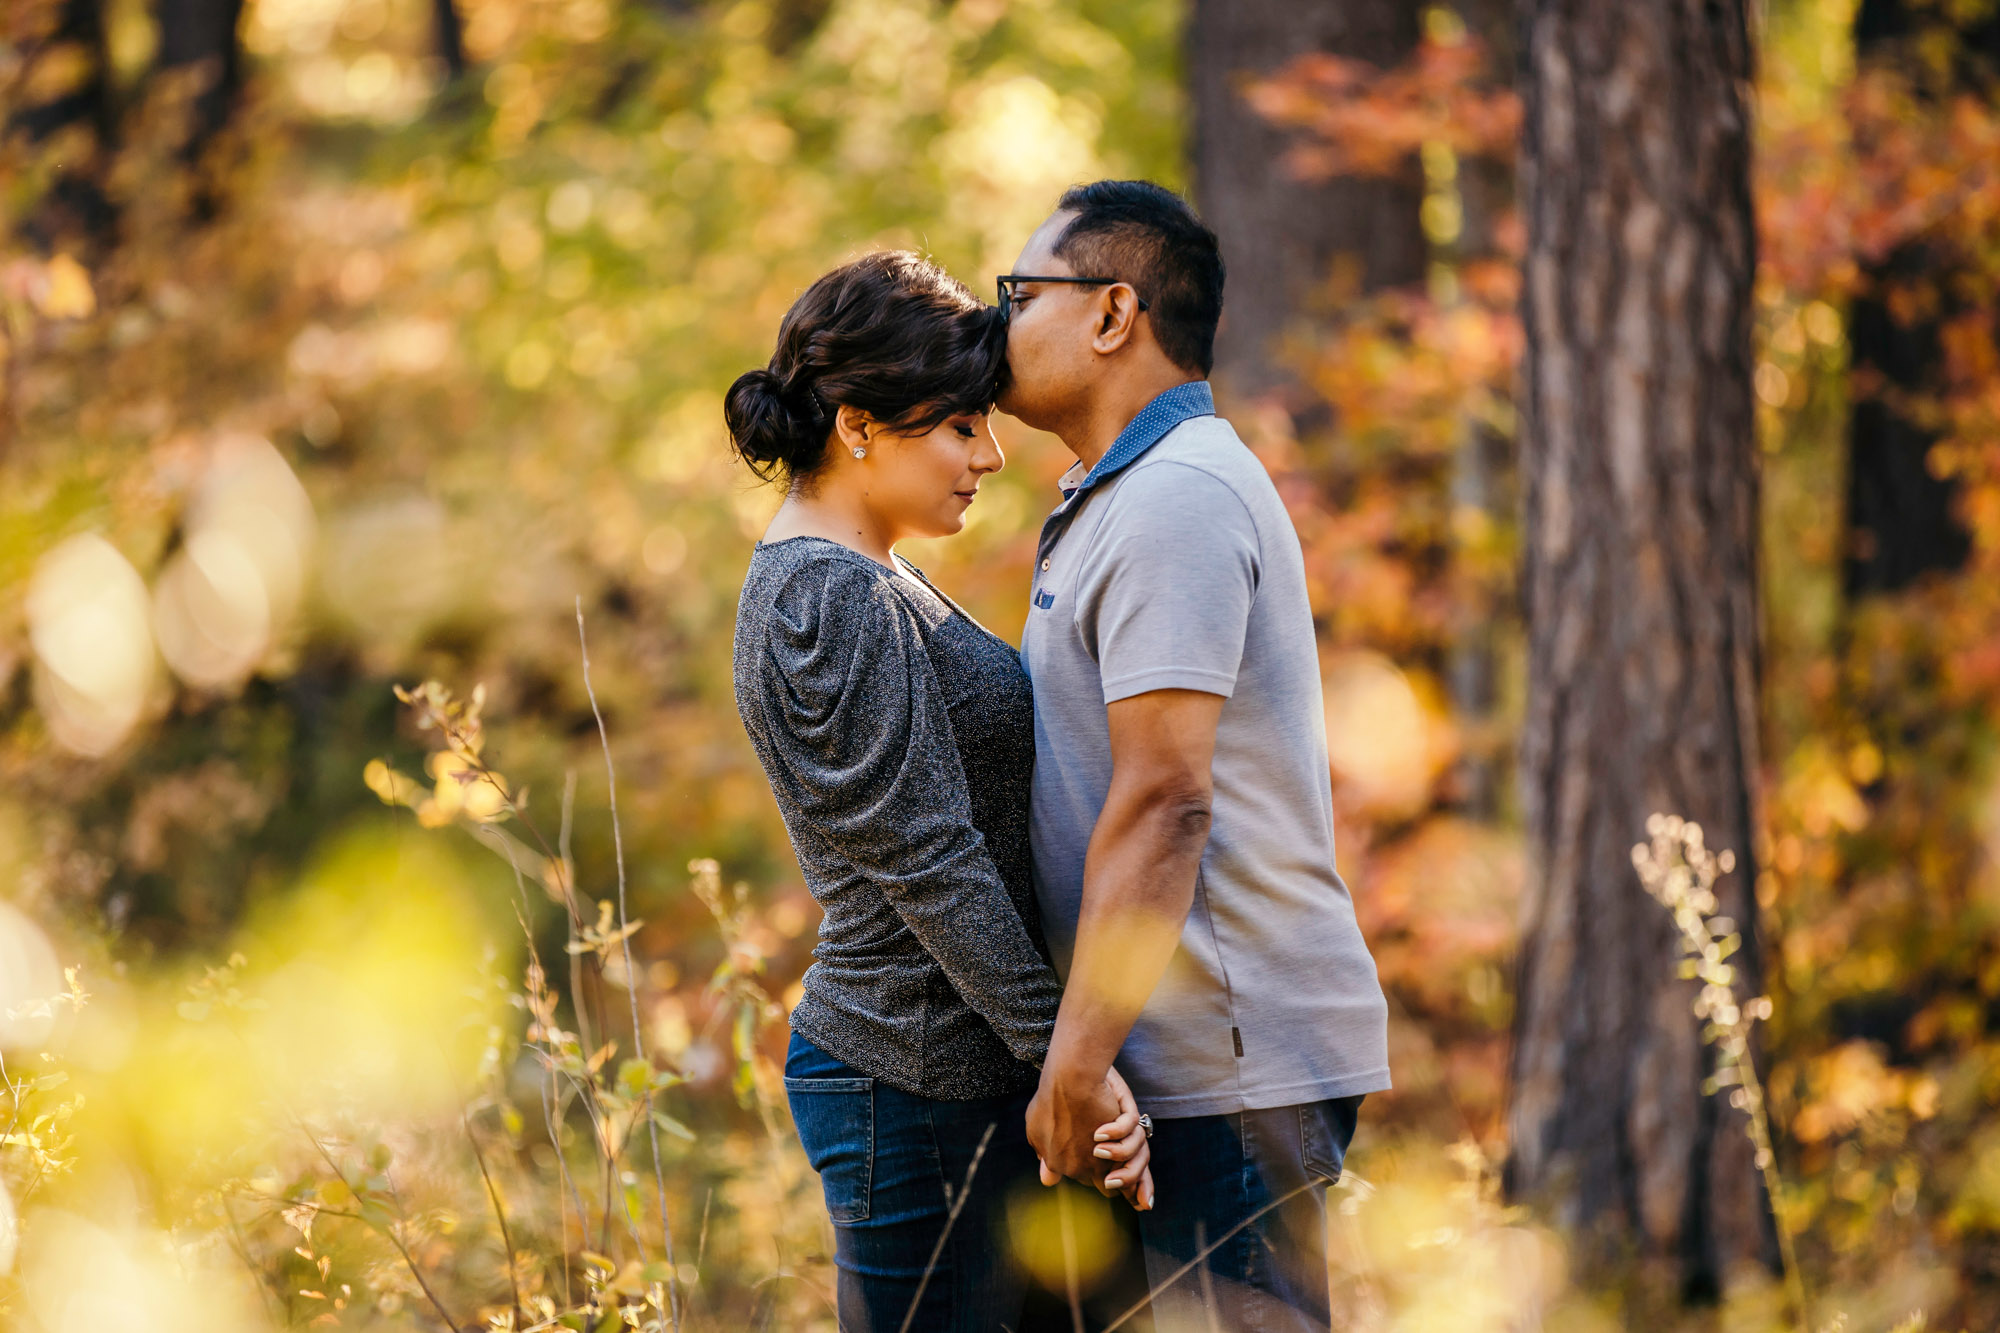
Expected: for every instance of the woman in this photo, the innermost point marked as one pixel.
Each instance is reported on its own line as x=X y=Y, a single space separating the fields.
x=897 y=734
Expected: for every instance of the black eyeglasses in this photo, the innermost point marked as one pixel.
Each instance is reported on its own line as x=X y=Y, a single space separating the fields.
x=1007 y=281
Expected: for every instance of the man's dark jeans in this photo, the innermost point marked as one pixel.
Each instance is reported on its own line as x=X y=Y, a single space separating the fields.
x=1265 y=1172
x=890 y=1164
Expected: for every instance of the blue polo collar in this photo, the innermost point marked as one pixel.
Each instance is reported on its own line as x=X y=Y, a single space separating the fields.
x=1183 y=402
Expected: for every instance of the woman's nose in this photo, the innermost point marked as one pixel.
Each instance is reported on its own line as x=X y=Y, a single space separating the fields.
x=987 y=457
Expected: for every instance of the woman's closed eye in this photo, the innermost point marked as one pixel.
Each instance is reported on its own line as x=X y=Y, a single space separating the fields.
x=967 y=431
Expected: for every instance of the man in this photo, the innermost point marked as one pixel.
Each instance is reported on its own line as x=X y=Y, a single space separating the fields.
x=1182 y=810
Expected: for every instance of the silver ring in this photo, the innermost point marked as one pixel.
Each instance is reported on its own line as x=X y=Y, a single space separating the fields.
x=1146 y=1123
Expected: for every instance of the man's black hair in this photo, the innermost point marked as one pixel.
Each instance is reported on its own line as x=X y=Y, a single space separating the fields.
x=1145 y=234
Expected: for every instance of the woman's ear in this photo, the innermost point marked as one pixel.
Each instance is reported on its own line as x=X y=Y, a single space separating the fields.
x=855 y=428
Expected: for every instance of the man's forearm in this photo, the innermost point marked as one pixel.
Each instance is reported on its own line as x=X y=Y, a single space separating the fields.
x=1139 y=882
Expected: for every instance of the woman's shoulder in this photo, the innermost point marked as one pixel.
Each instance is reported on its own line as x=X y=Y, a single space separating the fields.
x=816 y=593
x=815 y=570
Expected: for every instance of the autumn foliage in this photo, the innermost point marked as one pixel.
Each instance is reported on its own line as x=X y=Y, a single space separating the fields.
x=395 y=379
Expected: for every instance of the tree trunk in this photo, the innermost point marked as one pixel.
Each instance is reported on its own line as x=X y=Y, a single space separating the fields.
x=201 y=35
x=1481 y=468
x=450 y=34
x=75 y=208
x=1640 y=521
x=1901 y=522
x=1281 y=237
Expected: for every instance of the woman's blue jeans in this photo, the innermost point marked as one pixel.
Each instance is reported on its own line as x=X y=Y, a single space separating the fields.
x=892 y=1164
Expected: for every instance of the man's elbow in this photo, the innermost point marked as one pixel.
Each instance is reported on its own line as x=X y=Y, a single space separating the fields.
x=1183 y=817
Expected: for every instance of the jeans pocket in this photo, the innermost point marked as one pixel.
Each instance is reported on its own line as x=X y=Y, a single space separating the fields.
x=836 y=1123
x=1325 y=1131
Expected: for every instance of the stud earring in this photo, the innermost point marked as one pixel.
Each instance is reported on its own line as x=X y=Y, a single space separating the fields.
x=860 y=453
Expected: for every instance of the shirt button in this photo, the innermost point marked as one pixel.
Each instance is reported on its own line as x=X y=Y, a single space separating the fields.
x=1045 y=565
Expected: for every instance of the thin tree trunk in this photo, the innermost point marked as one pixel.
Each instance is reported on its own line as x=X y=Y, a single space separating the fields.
x=1640 y=579
x=1901 y=520
x=1282 y=238
x=450 y=35
x=1480 y=467
x=201 y=35
x=74 y=209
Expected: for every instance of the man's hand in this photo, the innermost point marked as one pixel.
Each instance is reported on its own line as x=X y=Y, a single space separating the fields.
x=1063 y=1120
x=1111 y=1154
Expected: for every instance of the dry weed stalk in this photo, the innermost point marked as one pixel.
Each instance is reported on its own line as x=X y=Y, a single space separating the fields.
x=578 y=1068
x=1680 y=872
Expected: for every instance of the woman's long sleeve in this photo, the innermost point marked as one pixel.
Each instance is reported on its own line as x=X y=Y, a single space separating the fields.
x=869 y=758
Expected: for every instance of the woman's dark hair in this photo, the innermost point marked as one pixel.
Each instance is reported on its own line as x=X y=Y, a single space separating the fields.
x=891 y=334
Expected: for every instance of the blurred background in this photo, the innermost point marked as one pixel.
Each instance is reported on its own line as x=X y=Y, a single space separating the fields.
x=350 y=344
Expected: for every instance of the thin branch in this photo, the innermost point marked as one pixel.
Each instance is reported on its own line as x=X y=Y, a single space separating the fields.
x=1070 y=1284
x=568 y=873
x=499 y=1214
x=631 y=977
x=1207 y=1284
x=562 y=1170
x=937 y=1251
x=1203 y=1253
x=409 y=1260
x=546 y=1089
x=266 y=1287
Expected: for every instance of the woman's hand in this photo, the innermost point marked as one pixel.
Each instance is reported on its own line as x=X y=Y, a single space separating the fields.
x=1122 y=1143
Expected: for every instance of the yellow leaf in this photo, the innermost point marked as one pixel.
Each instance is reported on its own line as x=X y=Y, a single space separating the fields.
x=65 y=291
x=392 y=787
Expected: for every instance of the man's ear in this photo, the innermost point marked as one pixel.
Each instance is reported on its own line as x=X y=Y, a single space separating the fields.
x=1117 y=316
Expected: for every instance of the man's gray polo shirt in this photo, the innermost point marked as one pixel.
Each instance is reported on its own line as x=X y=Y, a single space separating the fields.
x=1173 y=565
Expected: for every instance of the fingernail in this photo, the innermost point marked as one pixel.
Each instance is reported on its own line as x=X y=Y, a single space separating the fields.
x=1101 y=1137
x=1101 y=1152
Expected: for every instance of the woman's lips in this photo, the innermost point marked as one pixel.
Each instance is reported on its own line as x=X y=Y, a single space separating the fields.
x=967 y=496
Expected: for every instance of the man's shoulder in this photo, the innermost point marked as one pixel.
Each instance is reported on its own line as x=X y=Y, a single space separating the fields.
x=1200 y=458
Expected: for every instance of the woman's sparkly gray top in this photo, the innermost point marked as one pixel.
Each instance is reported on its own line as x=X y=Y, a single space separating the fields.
x=898 y=736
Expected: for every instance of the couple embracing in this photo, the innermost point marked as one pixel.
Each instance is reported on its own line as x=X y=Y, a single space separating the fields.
x=1082 y=920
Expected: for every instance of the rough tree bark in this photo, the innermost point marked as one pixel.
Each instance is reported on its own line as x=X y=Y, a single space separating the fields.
x=1280 y=236
x=1900 y=519
x=1640 y=579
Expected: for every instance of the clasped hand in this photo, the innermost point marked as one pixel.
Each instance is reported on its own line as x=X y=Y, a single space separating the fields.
x=1090 y=1132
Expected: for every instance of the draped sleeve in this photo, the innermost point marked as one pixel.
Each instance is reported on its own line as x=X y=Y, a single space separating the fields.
x=868 y=755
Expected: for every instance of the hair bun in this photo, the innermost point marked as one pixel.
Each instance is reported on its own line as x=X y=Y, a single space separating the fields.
x=771 y=431
x=889 y=334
